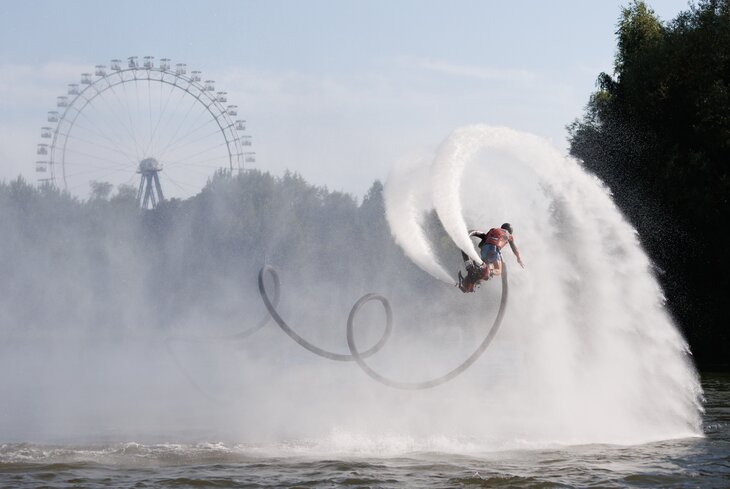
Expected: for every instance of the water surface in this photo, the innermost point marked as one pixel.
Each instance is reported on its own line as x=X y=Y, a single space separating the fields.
x=702 y=462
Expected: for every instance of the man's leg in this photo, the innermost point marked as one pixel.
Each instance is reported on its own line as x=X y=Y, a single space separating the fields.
x=492 y=259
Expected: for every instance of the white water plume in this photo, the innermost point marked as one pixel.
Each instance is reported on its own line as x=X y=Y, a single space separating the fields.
x=596 y=357
x=406 y=203
x=586 y=352
x=446 y=172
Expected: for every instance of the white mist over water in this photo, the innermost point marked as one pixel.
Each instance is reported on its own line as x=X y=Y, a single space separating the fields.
x=586 y=353
x=593 y=355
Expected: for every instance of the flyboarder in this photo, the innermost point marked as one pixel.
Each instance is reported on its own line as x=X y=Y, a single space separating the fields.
x=490 y=248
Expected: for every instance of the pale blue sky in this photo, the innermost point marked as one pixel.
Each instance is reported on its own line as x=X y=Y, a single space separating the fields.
x=336 y=90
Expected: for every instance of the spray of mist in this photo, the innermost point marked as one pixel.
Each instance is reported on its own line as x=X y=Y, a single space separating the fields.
x=586 y=352
x=593 y=355
x=446 y=172
x=406 y=203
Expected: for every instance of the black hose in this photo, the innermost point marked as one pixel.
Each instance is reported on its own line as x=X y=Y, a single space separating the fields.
x=359 y=358
x=340 y=357
x=438 y=380
x=168 y=342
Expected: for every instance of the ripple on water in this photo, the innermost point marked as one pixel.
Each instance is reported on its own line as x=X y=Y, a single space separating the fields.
x=683 y=463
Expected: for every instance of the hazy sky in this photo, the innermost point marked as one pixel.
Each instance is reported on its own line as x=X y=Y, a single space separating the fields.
x=335 y=90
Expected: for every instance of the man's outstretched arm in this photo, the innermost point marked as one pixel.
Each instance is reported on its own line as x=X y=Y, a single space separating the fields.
x=516 y=252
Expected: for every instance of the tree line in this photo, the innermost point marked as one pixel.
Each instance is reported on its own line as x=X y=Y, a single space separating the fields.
x=105 y=263
x=657 y=131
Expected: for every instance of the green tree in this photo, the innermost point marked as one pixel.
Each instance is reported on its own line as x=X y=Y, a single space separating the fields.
x=100 y=190
x=658 y=133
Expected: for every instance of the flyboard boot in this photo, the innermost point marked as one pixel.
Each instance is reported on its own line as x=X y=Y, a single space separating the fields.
x=475 y=273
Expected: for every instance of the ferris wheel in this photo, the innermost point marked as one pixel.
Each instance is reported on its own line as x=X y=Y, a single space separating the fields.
x=144 y=127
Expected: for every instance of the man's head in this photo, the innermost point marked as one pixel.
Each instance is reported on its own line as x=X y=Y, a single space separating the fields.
x=507 y=226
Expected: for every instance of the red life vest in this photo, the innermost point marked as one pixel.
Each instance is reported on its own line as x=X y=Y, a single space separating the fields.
x=497 y=237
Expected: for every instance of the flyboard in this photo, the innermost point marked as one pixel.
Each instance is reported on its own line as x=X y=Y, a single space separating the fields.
x=475 y=274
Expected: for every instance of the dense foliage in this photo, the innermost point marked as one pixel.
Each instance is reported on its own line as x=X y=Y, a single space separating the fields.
x=105 y=264
x=658 y=133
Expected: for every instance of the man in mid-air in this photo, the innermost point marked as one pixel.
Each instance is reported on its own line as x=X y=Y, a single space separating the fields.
x=490 y=248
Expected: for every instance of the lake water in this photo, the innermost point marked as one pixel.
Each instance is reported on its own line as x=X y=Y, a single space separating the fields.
x=702 y=462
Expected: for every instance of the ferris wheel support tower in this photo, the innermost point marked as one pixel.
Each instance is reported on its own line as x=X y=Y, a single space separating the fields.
x=150 y=190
